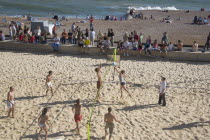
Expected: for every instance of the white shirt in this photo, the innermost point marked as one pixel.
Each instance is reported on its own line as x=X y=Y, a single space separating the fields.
x=106 y=43
x=162 y=86
x=56 y=40
x=37 y=32
x=170 y=47
x=126 y=45
x=92 y=34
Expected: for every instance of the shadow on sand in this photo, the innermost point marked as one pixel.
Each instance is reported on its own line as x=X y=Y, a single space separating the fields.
x=131 y=108
x=188 y=125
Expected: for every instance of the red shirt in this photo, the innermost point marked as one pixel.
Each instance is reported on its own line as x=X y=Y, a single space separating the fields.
x=136 y=37
x=91 y=19
x=32 y=39
x=21 y=37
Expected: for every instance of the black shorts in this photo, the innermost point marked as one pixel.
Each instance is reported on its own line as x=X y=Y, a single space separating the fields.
x=81 y=45
x=122 y=83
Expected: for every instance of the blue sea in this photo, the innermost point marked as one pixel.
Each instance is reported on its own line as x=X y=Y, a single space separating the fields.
x=98 y=8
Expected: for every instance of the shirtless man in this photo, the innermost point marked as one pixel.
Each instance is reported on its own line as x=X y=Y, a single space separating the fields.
x=122 y=82
x=99 y=82
x=11 y=102
x=109 y=120
x=42 y=121
x=77 y=114
x=49 y=83
x=98 y=72
x=179 y=46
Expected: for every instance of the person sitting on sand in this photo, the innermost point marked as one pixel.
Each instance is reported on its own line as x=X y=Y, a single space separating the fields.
x=163 y=48
x=195 y=47
x=49 y=82
x=87 y=42
x=2 y=36
x=42 y=121
x=77 y=114
x=11 y=102
x=32 y=38
x=170 y=47
x=56 y=44
x=120 y=46
x=154 y=46
x=162 y=91
x=179 y=46
x=106 y=43
x=122 y=82
x=109 y=120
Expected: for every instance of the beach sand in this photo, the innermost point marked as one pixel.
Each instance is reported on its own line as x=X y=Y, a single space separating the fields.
x=186 y=116
x=178 y=30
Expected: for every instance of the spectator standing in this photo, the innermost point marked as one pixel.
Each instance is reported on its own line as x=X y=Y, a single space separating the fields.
x=208 y=41
x=91 y=21
x=162 y=92
x=147 y=46
x=64 y=37
x=70 y=37
x=165 y=39
x=112 y=37
x=92 y=37
x=37 y=32
x=73 y=27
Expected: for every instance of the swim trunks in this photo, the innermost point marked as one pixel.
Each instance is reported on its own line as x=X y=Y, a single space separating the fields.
x=10 y=104
x=49 y=84
x=99 y=83
x=110 y=126
x=77 y=118
x=122 y=83
x=41 y=125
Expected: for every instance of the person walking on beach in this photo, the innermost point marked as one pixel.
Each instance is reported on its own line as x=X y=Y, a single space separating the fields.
x=42 y=121
x=77 y=114
x=49 y=82
x=99 y=82
x=162 y=92
x=109 y=120
x=91 y=21
x=11 y=102
x=165 y=38
x=122 y=82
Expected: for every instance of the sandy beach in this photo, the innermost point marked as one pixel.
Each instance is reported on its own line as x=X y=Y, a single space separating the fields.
x=178 y=30
x=186 y=116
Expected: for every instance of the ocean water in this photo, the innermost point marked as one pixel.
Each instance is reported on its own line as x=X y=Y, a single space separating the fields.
x=98 y=8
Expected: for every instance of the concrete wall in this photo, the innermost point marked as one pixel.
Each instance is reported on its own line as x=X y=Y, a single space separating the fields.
x=73 y=49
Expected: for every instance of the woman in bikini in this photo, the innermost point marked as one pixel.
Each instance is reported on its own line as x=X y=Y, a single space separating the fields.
x=122 y=82
x=42 y=121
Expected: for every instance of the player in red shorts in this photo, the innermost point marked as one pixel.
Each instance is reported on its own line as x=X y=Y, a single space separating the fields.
x=77 y=113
